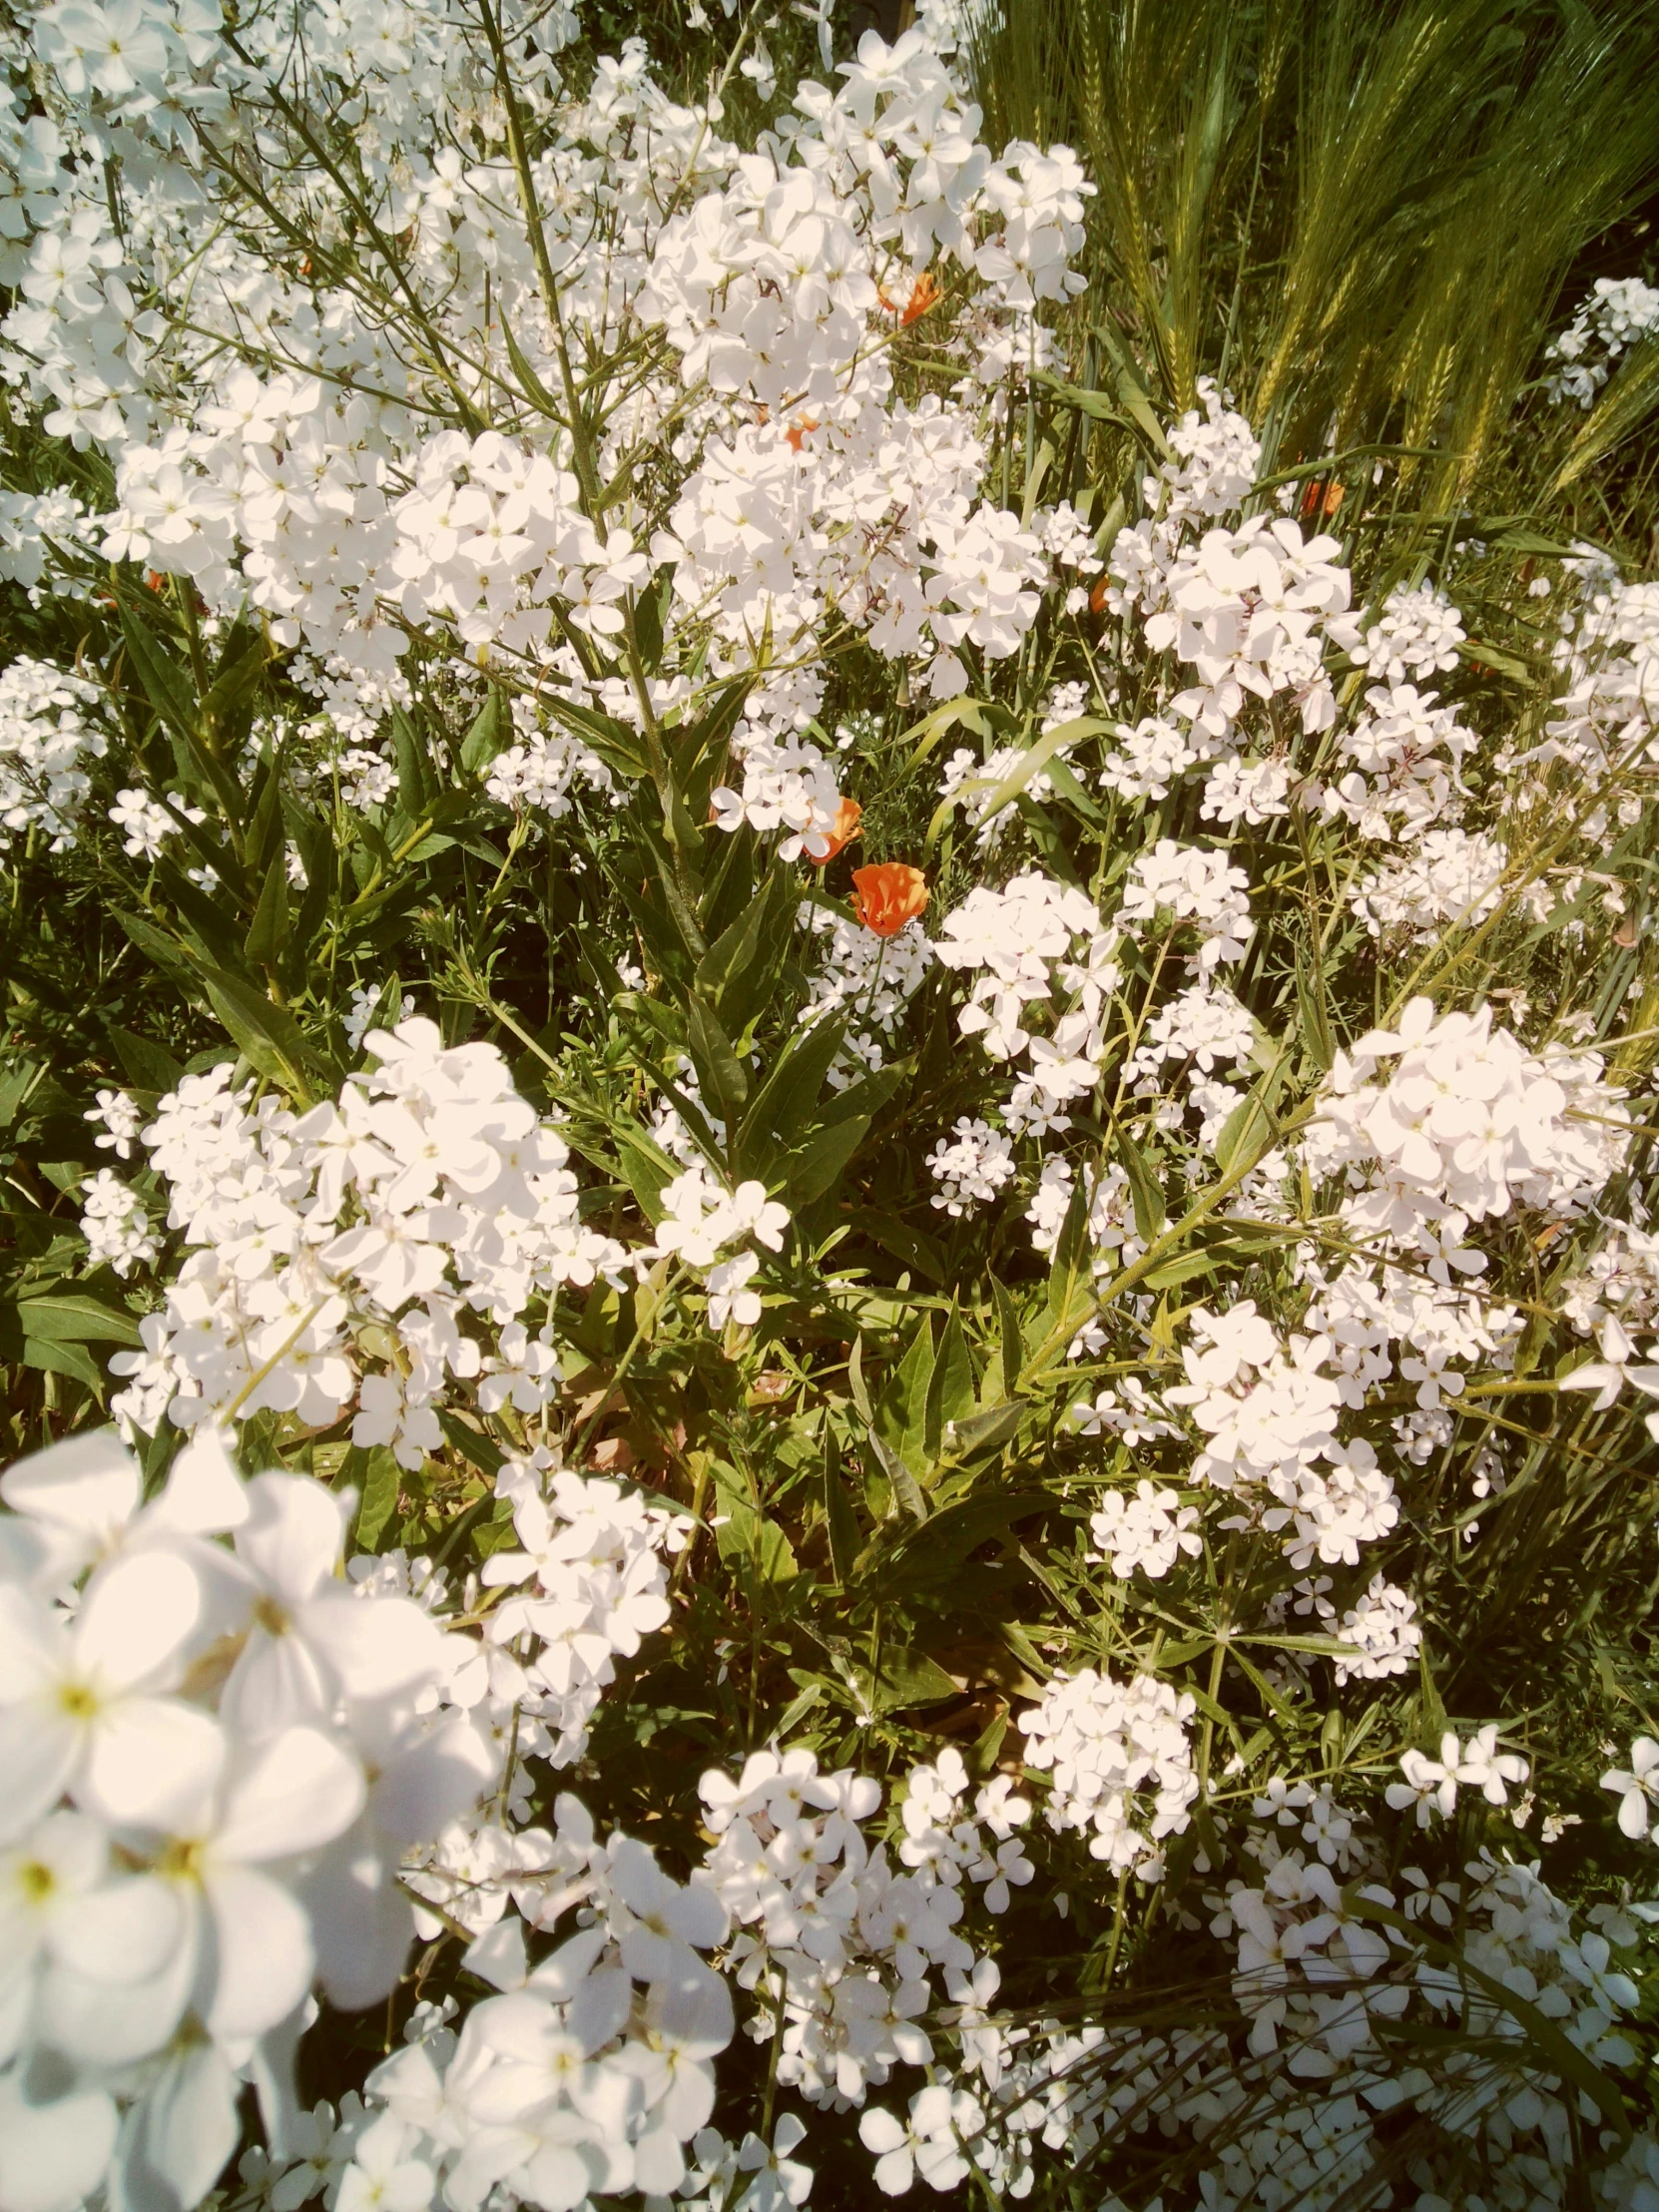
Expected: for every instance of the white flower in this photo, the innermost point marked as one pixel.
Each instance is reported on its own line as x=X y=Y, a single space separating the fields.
x=1637 y=1786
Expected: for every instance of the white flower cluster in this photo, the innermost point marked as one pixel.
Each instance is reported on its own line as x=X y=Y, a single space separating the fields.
x=214 y=1760
x=1111 y=1214
x=1035 y=940
x=591 y=2070
x=1416 y=634
x=1405 y=752
x=1143 y=1531
x=1322 y=1982
x=114 y=1223
x=700 y=1219
x=1269 y=1416
x=1432 y=1785
x=1467 y=1120
x=1619 y=312
x=1380 y=1631
x=971 y=1166
x=774 y=278
x=1448 y=877
x=1121 y=1761
x=1196 y=886
x=786 y=785
x=1608 y=656
x=542 y=768
x=595 y=1558
x=427 y=1192
x=49 y=729
x=839 y=1944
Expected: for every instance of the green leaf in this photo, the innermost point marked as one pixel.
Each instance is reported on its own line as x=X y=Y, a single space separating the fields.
x=747 y=1538
x=492 y=728
x=1012 y=1345
x=839 y=1519
x=267 y=933
x=619 y=746
x=1181 y=1266
x=267 y=1035
x=416 y=782
x=1070 y=1267
x=1249 y=1128
x=817 y=1167
x=528 y=381
x=49 y=1356
x=923 y=1253
x=903 y=1678
x=905 y=1487
x=781 y=1109
x=719 y=1073
x=901 y=1409
x=972 y=1435
x=76 y=1318
x=144 y=1063
x=1317 y=1041
x=922 y=1558
x=951 y=1386
x=473 y=1445
x=1150 y=1215
x=728 y=974
x=648 y=1169
x=381 y=1478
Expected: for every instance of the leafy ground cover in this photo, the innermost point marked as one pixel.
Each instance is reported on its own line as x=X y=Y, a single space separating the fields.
x=827 y=1103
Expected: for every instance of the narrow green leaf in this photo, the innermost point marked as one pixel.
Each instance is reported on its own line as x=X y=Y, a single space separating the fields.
x=1150 y=1215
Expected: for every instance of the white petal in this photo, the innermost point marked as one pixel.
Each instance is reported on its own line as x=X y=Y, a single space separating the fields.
x=293 y=1535
x=34 y=1648
x=420 y=1790
x=89 y=1482
x=138 y=1611
x=104 y=2022
x=123 y=1933
x=375 y=1645
x=274 y=1684
x=263 y=1943
x=498 y=1955
x=205 y=1493
x=361 y=1925
x=39 y=1750
x=154 y=1762
x=52 y=2156
x=177 y=2142
x=295 y=1792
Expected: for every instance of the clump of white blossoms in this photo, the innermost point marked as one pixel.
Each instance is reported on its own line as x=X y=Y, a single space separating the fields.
x=1033 y=942
x=1144 y=1531
x=217 y=1753
x=1448 y=876
x=50 y=731
x=1619 y=312
x=1121 y=1764
x=1417 y=632
x=1466 y=1119
x=427 y=1196
x=971 y=1166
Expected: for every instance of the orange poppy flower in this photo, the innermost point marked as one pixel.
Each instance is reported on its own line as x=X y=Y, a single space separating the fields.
x=795 y=435
x=886 y=896
x=921 y=298
x=1097 y=598
x=842 y=830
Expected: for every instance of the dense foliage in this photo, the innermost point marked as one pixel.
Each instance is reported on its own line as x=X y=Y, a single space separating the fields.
x=827 y=1277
